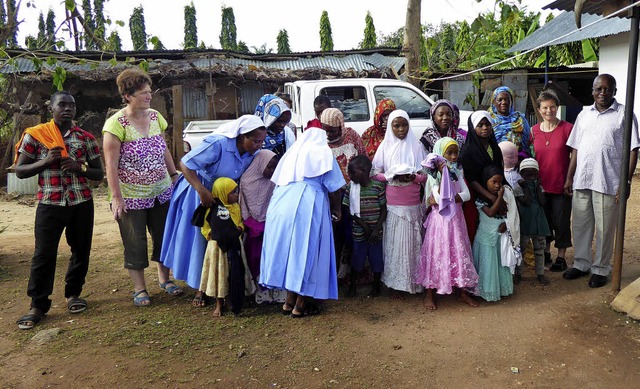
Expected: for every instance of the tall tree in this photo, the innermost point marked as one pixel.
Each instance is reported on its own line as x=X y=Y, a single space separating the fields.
x=113 y=42
x=50 y=29
x=41 y=30
x=411 y=44
x=99 y=19
x=326 y=39
x=283 y=42
x=228 y=34
x=190 y=29
x=370 y=38
x=138 y=30
x=89 y=43
x=10 y=27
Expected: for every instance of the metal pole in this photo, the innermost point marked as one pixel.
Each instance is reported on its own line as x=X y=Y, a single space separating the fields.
x=624 y=169
x=546 y=66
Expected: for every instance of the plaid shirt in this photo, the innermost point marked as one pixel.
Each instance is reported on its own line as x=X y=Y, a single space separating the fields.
x=54 y=186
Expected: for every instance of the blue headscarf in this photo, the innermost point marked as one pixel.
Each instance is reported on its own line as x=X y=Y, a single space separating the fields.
x=269 y=109
x=512 y=127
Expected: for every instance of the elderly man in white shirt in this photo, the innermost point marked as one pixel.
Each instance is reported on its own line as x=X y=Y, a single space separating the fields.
x=594 y=179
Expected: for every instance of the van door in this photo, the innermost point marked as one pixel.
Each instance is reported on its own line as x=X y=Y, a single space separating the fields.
x=413 y=101
x=296 y=113
x=354 y=103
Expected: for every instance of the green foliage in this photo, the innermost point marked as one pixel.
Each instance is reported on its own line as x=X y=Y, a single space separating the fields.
x=138 y=30
x=242 y=47
x=89 y=43
x=157 y=44
x=45 y=40
x=113 y=42
x=262 y=49
x=228 y=34
x=370 y=38
x=50 y=29
x=326 y=39
x=144 y=65
x=59 y=76
x=190 y=29
x=100 y=21
x=395 y=39
x=283 y=42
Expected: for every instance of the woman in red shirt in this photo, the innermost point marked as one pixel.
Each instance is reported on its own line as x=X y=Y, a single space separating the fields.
x=549 y=140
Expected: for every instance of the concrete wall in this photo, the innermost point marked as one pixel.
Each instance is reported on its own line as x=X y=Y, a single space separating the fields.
x=614 y=54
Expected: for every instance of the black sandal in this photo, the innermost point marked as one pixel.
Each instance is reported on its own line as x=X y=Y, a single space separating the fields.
x=76 y=305
x=298 y=308
x=285 y=310
x=29 y=320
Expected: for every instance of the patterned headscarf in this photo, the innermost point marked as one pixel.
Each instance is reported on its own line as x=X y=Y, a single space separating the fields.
x=431 y=134
x=513 y=127
x=333 y=117
x=374 y=135
x=255 y=188
x=270 y=108
x=445 y=179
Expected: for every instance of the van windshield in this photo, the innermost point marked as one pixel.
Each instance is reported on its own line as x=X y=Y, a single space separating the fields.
x=406 y=99
x=351 y=100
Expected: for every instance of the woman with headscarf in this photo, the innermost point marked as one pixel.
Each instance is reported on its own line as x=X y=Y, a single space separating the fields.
x=398 y=162
x=298 y=250
x=373 y=136
x=275 y=114
x=225 y=153
x=256 y=189
x=480 y=150
x=443 y=124
x=509 y=124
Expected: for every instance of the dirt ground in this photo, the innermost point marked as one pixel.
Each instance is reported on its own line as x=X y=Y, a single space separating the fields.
x=564 y=335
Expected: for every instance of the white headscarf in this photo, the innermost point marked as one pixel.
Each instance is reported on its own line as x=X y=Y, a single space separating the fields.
x=310 y=156
x=477 y=116
x=400 y=156
x=242 y=125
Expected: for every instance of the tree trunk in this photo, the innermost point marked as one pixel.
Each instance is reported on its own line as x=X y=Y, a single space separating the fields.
x=411 y=45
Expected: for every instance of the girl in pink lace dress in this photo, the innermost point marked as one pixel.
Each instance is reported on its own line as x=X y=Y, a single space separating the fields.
x=445 y=259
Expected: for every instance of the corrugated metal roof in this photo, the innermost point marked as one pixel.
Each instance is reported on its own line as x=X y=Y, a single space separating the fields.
x=564 y=23
x=357 y=62
x=593 y=7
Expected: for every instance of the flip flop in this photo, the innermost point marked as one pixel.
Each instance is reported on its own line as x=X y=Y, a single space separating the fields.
x=302 y=310
x=171 y=288
x=76 y=305
x=141 y=301
x=29 y=320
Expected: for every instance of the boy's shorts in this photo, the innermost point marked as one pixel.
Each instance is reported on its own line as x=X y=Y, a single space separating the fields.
x=364 y=249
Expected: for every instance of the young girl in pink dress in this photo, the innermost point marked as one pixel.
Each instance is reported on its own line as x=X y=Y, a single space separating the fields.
x=397 y=162
x=445 y=259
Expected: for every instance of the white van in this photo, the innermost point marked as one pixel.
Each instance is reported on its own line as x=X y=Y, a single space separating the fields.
x=357 y=98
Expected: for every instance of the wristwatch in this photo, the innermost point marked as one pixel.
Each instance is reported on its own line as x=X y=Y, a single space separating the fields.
x=83 y=167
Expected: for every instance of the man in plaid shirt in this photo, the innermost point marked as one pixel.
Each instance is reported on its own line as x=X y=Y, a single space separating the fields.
x=64 y=157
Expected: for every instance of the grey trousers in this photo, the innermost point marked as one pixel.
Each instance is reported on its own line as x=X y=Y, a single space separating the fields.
x=538 y=251
x=593 y=212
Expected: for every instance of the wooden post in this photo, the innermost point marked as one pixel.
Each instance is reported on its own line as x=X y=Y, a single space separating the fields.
x=211 y=93
x=178 y=122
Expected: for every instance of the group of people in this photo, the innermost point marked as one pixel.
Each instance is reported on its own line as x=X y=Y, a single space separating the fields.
x=259 y=210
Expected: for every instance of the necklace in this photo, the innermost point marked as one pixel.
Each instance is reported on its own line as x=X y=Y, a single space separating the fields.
x=549 y=131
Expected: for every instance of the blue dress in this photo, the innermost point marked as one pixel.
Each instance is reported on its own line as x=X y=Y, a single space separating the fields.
x=495 y=280
x=297 y=251
x=183 y=246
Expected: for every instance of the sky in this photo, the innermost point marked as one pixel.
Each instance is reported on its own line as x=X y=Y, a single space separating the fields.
x=258 y=22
